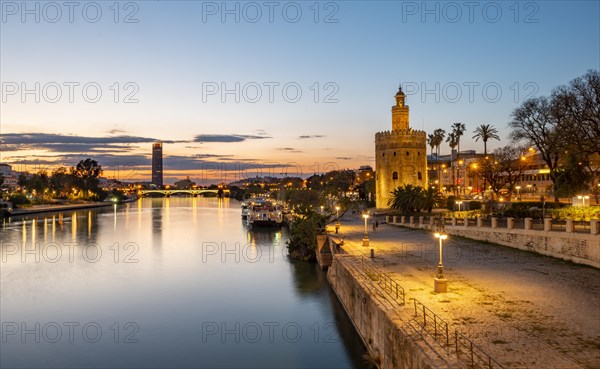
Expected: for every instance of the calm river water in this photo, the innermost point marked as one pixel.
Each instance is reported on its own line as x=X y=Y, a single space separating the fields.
x=170 y=282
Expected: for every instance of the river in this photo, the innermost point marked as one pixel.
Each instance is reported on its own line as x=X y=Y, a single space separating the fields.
x=164 y=282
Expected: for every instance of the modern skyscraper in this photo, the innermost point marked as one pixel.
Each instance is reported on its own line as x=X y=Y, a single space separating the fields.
x=157 y=164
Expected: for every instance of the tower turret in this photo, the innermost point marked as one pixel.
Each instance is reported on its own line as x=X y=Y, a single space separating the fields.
x=400 y=112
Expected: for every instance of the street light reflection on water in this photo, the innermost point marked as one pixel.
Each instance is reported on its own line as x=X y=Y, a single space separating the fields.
x=142 y=270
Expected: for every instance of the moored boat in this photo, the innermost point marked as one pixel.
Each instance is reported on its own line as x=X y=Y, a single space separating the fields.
x=263 y=212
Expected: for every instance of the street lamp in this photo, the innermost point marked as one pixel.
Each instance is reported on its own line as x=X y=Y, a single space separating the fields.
x=518 y=192
x=440 y=284
x=337 y=219
x=583 y=198
x=459 y=203
x=366 y=236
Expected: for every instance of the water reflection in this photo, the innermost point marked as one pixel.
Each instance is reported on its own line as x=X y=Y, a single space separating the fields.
x=171 y=291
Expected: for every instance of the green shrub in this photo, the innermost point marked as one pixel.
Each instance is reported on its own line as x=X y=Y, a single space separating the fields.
x=303 y=235
x=474 y=205
x=18 y=199
x=576 y=213
x=450 y=202
x=471 y=214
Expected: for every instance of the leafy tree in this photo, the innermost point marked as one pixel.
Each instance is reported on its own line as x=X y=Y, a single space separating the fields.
x=488 y=168
x=303 y=200
x=579 y=104
x=22 y=180
x=87 y=172
x=512 y=164
x=538 y=124
x=573 y=179
x=18 y=199
x=303 y=235
x=503 y=168
x=62 y=180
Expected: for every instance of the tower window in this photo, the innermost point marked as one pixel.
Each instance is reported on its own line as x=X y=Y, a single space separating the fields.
x=394 y=153
x=407 y=153
x=419 y=176
x=418 y=153
x=395 y=175
x=382 y=154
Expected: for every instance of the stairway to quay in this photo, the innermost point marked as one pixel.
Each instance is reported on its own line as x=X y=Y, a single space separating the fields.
x=504 y=307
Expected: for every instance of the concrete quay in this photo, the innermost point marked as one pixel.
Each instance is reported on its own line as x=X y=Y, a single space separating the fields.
x=505 y=307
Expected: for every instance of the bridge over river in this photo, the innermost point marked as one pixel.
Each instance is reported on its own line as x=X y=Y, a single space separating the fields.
x=193 y=192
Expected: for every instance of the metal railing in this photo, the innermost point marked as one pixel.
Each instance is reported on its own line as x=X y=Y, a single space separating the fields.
x=432 y=323
x=476 y=357
x=463 y=346
x=385 y=281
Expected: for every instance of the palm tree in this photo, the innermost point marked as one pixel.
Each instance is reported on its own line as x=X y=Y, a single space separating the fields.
x=431 y=142
x=452 y=142
x=439 y=135
x=458 y=129
x=431 y=198
x=485 y=132
x=407 y=198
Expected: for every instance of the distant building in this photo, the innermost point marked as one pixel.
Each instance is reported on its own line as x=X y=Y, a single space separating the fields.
x=185 y=184
x=11 y=178
x=364 y=173
x=157 y=164
x=400 y=154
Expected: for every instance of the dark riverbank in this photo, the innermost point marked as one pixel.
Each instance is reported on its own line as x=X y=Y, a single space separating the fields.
x=48 y=208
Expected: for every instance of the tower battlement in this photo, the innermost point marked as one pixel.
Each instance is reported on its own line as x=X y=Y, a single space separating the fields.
x=403 y=133
x=400 y=154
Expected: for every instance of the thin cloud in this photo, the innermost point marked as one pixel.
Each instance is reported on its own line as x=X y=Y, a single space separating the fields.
x=289 y=149
x=208 y=156
x=228 y=138
x=116 y=130
x=72 y=143
x=303 y=137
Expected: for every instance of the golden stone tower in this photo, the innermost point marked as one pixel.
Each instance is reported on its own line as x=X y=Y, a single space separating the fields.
x=400 y=154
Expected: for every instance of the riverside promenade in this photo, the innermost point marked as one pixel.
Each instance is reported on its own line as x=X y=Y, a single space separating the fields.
x=523 y=310
x=50 y=208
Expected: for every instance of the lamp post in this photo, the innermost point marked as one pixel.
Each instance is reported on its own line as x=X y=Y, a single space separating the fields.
x=459 y=203
x=518 y=192
x=337 y=219
x=366 y=235
x=440 y=284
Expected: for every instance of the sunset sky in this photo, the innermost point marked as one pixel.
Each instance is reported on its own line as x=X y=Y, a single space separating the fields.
x=161 y=68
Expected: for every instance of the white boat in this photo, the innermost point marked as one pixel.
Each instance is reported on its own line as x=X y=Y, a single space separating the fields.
x=245 y=209
x=263 y=212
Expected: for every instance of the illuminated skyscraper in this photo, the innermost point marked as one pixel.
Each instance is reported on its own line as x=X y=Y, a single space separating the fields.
x=157 y=164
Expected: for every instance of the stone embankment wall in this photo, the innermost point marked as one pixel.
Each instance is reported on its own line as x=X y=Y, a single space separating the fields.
x=578 y=247
x=393 y=342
